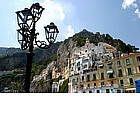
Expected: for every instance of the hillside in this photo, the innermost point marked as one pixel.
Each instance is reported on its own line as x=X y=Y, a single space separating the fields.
x=12 y=58
x=18 y=59
x=12 y=67
x=8 y=51
x=97 y=37
x=79 y=40
x=13 y=62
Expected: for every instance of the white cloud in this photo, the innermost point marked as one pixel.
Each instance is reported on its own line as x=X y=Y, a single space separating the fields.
x=54 y=12
x=131 y=3
x=137 y=11
x=69 y=31
x=127 y=3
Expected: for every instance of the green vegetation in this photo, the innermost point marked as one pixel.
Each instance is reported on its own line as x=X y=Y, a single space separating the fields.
x=12 y=81
x=80 y=39
x=14 y=61
x=39 y=66
x=64 y=87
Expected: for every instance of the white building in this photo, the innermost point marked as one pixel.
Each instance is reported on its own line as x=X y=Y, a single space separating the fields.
x=55 y=87
x=84 y=61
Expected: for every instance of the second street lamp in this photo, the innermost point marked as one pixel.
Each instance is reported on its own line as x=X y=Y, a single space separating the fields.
x=27 y=37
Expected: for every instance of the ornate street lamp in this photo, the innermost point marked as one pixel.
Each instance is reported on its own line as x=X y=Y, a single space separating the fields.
x=27 y=37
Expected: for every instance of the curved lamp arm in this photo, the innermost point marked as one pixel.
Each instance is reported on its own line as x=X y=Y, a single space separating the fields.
x=24 y=38
x=42 y=44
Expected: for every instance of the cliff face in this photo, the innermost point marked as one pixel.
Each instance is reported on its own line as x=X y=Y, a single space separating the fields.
x=41 y=86
x=78 y=40
x=64 y=51
x=8 y=51
x=18 y=58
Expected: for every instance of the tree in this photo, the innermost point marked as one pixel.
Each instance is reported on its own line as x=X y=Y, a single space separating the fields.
x=64 y=86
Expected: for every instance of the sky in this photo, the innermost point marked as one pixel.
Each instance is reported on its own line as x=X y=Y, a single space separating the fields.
x=119 y=18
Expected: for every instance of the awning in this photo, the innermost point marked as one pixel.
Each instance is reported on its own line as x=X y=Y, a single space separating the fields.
x=109 y=63
x=101 y=65
x=131 y=89
x=109 y=71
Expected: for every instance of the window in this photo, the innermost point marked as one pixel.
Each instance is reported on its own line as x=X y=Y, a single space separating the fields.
x=101 y=66
x=78 y=68
x=107 y=91
x=73 y=81
x=129 y=71
x=95 y=68
x=118 y=63
x=131 y=81
x=82 y=86
x=127 y=61
x=88 y=85
x=120 y=73
x=110 y=65
x=94 y=84
x=94 y=76
x=82 y=78
x=98 y=91
x=88 y=78
x=77 y=79
x=112 y=83
x=138 y=58
x=85 y=66
x=111 y=75
x=90 y=91
x=102 y=76
x=78 y=64
x=102 y=83
x=85 y=50
x=118 y=91
x=121 y=82
x=139 y=68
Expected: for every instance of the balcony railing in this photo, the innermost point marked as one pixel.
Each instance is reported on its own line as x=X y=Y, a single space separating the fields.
x=94 y=79
x=88 y=80
x=120 y=75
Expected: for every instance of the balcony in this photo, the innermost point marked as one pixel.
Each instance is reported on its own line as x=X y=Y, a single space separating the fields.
x=74 y=83
x=110 y=76
x=120 y=75
x=88 y=80
x=114 y=85
x=94 y=79
x=121 y=85
x=130 y=73
x=131 y=84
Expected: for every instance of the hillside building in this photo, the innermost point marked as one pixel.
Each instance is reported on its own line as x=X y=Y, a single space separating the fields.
x=100 y=69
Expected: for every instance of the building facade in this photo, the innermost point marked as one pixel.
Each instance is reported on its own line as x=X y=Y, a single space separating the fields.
x=117 y=75
x=101 y=69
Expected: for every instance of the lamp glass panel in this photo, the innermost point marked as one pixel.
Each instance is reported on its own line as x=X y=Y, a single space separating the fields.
x=24 y=18
x=51 y=32
x=23 y=38
x=36 y=11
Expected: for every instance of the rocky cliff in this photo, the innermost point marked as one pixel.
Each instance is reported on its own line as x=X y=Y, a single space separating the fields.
x=64 y=52
x=65 y=49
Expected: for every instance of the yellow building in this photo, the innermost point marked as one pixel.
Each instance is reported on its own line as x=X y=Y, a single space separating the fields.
x=121 y=72
x=115 y=75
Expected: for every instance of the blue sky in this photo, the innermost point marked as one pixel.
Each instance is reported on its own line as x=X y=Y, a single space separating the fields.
x=119 y=18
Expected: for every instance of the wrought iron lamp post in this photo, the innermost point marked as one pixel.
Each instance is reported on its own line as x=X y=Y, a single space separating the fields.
x=27 y=36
